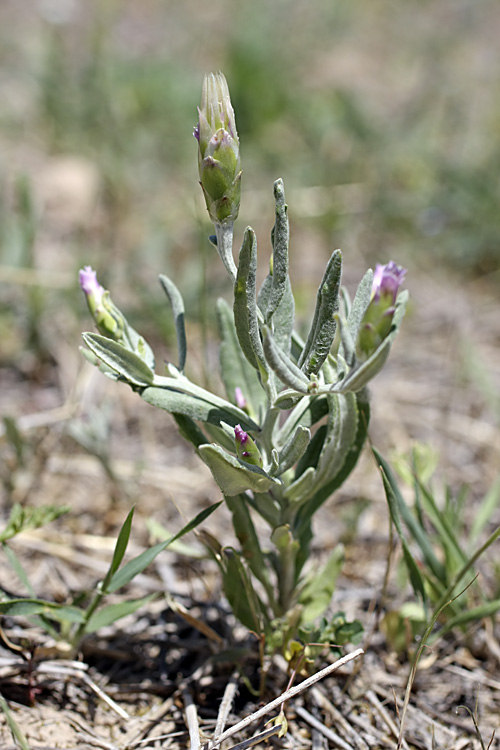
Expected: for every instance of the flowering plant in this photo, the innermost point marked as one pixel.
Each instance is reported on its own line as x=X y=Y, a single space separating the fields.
x=295 y=416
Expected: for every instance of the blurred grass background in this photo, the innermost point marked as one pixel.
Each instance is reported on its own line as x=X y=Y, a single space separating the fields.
x=382 y=118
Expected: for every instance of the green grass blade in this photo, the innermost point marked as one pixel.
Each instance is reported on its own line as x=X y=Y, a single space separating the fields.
x=108 y=615
x=138 y=564
x=120 y=549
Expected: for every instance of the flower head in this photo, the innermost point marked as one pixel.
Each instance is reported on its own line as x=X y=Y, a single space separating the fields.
x=387 y=280
x=218 y=150
x=107 y=317
x=377 y=320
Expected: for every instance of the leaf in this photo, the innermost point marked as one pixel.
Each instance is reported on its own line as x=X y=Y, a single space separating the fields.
x=275 y=297
x=120 y=549
x=113 y=612
x=16 y=565
x=22 y=518
x=127 y=364
x=286 y=370
x=26 y=607
x=294 y=449
x=232 y=474
x=245 y=304
x=247 y=536
x=317 y=591
x=135 y=566
x=416 y=530
x=240 y=593
x=177 y=402
x=322 y=332
x=360 y=303
x=177 y=304
x=236 y=372
x=416 y=577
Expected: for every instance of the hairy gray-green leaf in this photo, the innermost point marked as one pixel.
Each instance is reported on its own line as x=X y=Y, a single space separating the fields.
x=286 y=370
x=294 y=448
x=177 y=304
x=214 y=411
x=128 y=365
x=236 y=372
x=233 y=475
x=322 y=332
x=245 y=304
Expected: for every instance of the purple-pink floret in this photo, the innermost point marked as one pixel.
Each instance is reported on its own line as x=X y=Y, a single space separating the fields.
x=240 y=435
x=240 y=399
x=387 y=279
x=196 y=132
x=88 y=280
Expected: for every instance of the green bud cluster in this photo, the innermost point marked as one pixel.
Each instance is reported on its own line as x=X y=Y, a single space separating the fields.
x=219 y=151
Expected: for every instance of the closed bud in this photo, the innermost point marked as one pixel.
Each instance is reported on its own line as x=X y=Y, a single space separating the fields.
x=218 y=151
x=246 y=447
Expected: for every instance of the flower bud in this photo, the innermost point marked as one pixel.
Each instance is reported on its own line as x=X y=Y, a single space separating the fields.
x=107 y=317
x=377 y=321
x=246 y=448
x=219 y=150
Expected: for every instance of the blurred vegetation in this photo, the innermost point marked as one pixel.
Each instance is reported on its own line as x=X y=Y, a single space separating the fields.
x=381 y=120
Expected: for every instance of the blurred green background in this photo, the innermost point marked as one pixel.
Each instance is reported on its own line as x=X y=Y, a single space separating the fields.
x=383 y=119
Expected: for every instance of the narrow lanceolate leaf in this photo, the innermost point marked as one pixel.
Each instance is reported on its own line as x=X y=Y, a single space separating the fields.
x=245 y=303
x=214 y=411
x=135 y=566
x=322 y=332
x=232 y=474
x=360 y=303
x=293 y=449
x=240 y=593
x=120 y=548
x=127 y=364
x=177 y=304
x=236 y=372
x=275 y=297
x=360 y=375
x=286 y=370
x=247 y=536
x=416 y=577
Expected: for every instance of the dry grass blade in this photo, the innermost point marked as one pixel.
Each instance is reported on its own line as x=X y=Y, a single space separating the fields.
x=225 y=706
x=278 y=702
x=191 y=720
x=324 y=730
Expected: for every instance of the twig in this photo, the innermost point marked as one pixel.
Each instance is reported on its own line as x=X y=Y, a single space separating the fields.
x=325 y=731
x=277 y=702
x=379 y=708
x=191 y=720
x=256 y=738
x=226 y=703
x=352 y=734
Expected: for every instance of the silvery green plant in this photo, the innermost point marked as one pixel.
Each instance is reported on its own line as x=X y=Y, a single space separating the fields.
x=295 y=414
